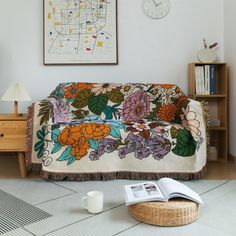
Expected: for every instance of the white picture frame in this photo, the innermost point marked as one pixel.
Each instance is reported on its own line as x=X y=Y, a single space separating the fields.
x=80 y=32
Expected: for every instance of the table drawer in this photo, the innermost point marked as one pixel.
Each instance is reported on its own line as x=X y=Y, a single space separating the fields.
x=13 y=135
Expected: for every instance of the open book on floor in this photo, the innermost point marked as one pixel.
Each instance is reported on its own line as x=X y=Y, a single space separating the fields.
x=163 y=190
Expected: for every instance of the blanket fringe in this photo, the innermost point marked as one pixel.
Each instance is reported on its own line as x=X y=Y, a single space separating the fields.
x=29 y=141
x=121 y=175
x=29 y=131
x=206 y=117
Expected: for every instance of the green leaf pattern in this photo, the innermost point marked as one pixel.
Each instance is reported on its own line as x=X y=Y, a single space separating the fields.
x=185 y=145
x=97 y=104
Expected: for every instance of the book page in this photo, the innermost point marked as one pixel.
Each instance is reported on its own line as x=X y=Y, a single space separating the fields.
x=142 y=192
x=172 y=188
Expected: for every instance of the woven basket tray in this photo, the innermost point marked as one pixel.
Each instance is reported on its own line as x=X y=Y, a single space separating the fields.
x=173 y=213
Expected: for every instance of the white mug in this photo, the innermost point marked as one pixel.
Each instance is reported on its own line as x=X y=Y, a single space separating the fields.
x=93 y=201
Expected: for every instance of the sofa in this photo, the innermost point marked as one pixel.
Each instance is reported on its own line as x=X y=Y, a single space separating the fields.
x=103 y=131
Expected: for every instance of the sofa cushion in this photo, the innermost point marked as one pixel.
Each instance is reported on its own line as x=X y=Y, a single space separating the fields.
x=139 y=140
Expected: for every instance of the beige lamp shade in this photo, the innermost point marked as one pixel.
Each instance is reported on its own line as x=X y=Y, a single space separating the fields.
x=16 y=92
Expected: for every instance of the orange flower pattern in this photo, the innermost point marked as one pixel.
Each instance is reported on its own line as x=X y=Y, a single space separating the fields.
x=95 y=131
x=80 y=149
x=76 y=137
x=72 y=90
x=69 y=136
x=167 y=112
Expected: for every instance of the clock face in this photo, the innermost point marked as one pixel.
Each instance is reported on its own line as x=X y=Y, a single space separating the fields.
x=156 y=8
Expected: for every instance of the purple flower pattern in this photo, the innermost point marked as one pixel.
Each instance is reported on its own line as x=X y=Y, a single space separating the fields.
x=106 y=145
x=159 y=146
x=156 y=146
x=136 y=106
x=60 y=110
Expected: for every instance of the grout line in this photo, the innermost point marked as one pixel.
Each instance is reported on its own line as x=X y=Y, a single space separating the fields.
x=73 y=192
x=28 y=231
x=64 y=187
x=36 y=204
x=127 y=229
x=78 y=221
x=215 y=187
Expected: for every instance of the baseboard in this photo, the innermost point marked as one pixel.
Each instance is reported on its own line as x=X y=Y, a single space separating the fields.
x=232 y=158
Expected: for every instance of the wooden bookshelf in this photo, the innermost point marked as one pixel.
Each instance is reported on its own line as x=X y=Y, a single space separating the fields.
x=217 y=105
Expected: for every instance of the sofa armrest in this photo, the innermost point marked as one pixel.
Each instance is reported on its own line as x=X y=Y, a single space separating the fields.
x=194 y=118
x=38 y=117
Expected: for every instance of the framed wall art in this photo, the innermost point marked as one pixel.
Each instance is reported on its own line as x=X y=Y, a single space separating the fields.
x=80 y=32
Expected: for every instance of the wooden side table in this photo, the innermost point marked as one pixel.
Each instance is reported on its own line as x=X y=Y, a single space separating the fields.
x=13 y=137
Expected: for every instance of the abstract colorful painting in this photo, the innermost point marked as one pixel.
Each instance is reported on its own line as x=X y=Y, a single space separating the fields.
x=80 y=32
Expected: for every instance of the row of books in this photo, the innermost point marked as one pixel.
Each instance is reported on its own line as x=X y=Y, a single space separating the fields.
x=205 y=77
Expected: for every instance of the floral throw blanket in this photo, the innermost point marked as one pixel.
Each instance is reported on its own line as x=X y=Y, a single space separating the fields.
x=93 y=131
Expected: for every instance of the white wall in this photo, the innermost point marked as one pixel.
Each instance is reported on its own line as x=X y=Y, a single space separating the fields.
x=149 y=50
x=230 y=58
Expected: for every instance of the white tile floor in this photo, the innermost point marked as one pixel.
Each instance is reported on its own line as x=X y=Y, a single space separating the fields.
x=62 y=200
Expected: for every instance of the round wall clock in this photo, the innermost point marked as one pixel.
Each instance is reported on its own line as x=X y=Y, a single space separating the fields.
x=156 y=8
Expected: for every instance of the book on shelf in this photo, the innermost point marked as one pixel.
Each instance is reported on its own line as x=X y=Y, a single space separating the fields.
x=201 y=74
x=212 y=79
x=163 y=190
x=199 y=79
x=205 y=79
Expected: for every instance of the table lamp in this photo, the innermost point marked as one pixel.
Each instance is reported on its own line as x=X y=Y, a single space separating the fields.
x=16 y=92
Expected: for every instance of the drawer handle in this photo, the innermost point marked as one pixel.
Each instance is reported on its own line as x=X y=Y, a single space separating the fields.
x=1 y=135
